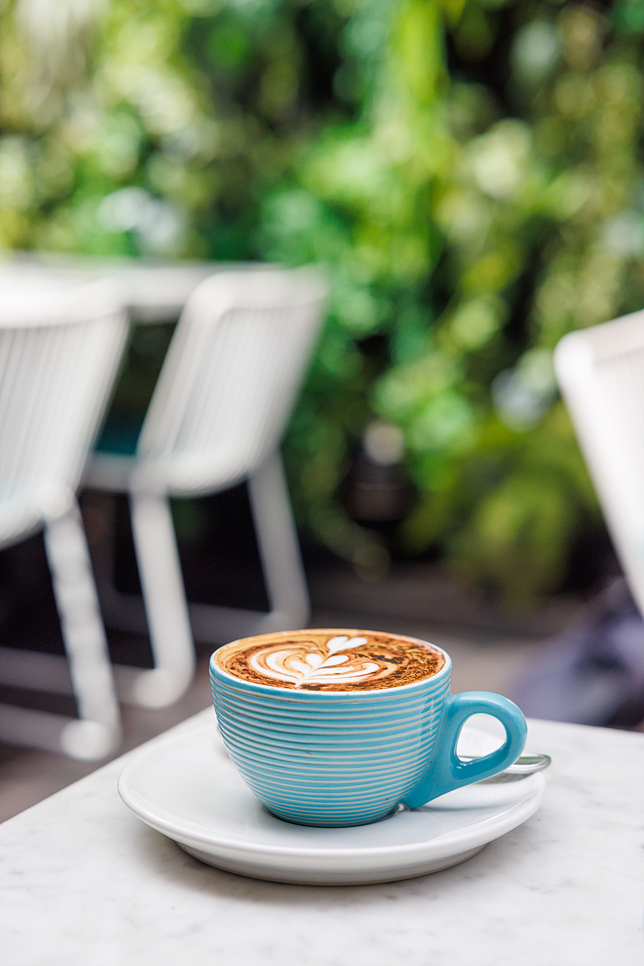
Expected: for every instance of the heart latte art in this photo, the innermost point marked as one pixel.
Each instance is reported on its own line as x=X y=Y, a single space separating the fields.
x=330 y=660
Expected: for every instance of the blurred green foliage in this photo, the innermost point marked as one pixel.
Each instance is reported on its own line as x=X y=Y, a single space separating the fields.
x=470 y=173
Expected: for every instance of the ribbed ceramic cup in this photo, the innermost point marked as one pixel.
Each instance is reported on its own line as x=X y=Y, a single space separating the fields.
x=341 y=758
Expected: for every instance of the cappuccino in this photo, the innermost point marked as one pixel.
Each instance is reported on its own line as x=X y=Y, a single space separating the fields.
x=323 y=731
x=330 y=660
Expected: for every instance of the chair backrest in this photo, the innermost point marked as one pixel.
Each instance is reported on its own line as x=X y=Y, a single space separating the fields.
x=59 y=353
x=600 y=371
x=230 y=377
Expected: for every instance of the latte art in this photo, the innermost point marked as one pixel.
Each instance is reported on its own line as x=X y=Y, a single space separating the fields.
x=328 y=660
x=311 y=667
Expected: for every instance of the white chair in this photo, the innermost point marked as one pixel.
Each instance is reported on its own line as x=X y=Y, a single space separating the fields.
x=600 y=371
x=220 y=406
x=59 y=352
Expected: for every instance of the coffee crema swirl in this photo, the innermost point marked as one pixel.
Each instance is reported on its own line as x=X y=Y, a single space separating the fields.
x=330 y=660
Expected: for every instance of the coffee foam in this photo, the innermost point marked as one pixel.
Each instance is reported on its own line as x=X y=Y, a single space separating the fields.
x=330 y=660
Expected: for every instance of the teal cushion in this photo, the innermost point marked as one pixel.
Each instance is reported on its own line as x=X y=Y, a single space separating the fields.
x=119 y=435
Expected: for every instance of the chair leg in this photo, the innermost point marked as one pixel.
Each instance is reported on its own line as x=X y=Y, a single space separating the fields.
x=97 y=730
x=172 y=623
x=281 y=563
x=279 y=548
x=123 y=612
x=165 y=603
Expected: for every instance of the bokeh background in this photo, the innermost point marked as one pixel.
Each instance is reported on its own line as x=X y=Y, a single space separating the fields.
x=469 y=173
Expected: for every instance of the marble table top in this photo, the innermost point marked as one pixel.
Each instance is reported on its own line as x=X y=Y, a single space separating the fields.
x=84 y=883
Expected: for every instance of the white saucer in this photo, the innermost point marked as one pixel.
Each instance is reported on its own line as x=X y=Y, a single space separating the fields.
x=187 y=788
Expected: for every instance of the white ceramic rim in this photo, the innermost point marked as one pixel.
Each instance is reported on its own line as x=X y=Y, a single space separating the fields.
x=439 y=847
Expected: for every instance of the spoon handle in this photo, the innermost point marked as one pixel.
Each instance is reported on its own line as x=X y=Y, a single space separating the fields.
x=523 y=766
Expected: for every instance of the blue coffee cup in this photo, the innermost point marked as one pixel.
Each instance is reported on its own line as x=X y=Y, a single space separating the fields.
x=342 y=758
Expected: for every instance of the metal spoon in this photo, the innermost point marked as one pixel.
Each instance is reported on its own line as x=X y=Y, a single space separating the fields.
x=523 y=766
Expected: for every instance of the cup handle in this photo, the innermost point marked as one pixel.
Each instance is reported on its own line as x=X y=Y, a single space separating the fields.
x=446 y=770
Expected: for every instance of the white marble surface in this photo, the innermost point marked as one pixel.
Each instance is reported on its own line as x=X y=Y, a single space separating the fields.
x=84 y=883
